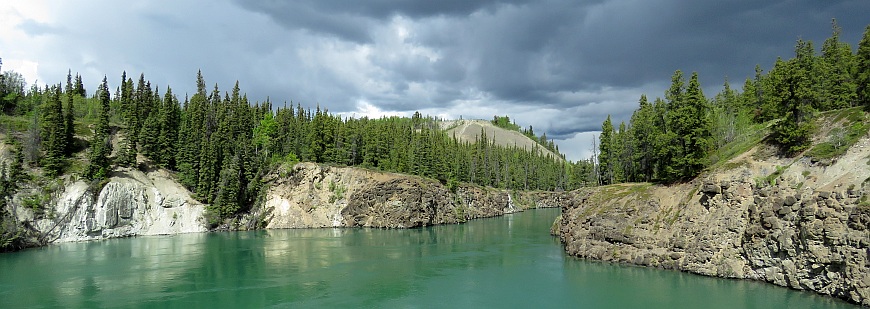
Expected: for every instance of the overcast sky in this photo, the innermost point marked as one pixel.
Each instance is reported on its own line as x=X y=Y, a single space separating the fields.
x=560 y=66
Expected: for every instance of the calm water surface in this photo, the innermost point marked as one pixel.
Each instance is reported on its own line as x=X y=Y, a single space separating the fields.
x=507 y=262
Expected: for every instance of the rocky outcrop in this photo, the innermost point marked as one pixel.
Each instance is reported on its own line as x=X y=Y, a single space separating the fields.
x=131 y=203
x=311 y=195
x=307 y=195
x=743 y=227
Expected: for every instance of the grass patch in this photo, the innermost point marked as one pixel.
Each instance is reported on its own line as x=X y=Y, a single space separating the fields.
x=607 y=197
x=743 y=143
x=15 y=123
x=337 y=192
x=849 y=125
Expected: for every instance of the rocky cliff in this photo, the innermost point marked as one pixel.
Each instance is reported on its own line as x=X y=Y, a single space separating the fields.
x=307 y=195
x=790 y=222
x=311 y=195
x=130 y=203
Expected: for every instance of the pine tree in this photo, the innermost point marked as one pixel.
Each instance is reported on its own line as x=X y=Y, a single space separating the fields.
x=99 y=164
x=838 y=84
x=126 y=154
x=673 y=140
x=52 y=132
x=643 y=140
x=800 y=96
x=607 y=153
x=862 y=69
x=229 y=190
x=624 y=150
x=191 y=134
x=129 y=109
x=79 y=88
x=696 y=130
x=69 y=116
x=170 y=118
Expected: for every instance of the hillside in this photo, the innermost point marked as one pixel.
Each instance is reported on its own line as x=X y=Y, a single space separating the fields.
x=470 y=131
x=799 y=222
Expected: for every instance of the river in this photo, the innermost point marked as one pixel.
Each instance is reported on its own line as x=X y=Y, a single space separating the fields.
x=506 y=262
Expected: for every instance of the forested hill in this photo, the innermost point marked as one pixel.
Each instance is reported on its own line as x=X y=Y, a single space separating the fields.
x=675 y=138
x=220 y=145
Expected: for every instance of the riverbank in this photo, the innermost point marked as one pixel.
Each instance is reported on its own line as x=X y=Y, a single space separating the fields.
x=791 y=222
x=306 y=195
x=500 y=262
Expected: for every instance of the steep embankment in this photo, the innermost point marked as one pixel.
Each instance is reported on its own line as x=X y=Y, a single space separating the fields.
x=307 y=195
x=131 y=203
x=788 y=221
x=311 y=195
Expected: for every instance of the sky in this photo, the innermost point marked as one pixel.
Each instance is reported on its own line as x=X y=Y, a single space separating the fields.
x=560 y=66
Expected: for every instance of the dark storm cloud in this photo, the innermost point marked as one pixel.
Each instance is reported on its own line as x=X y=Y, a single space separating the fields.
x=523 y=53
x=349 y=19
x=559 y=65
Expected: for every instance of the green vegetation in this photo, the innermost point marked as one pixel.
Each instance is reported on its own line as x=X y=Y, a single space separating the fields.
x=337 y=192
x=220 y=145
x=846 y=127
x=675 y=138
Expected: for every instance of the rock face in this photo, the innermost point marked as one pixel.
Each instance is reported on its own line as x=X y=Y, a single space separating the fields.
x=787 y=234
x=311 y=195
x=308 y=195
x=129 y=204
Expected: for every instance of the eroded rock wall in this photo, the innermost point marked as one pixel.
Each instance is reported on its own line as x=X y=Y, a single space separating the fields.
x=785 y=234
x=131 y=203
x=311 y=195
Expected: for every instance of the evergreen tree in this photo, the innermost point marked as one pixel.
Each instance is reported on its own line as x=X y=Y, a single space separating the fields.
x=799 y=97
x=642 y=140
x=838 y=84
x=79 y=88
x=149 y=131
x=862 y=69
x=625 y=168
x=226 y=202
x=170 y=119
x=52 y=132
x=129 y=108
x=695 y=129
x=607 y=153
x=101 y=147
x=69 y=115
x=126 y=154
x=672 y=141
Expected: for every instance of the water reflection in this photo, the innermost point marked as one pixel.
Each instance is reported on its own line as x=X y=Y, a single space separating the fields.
x=502 y=262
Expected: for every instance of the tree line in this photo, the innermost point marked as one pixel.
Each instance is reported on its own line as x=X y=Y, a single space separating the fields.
x=220 y=145
x=675 y=138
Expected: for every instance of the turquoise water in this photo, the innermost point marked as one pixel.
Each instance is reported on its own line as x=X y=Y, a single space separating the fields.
x=507 y=262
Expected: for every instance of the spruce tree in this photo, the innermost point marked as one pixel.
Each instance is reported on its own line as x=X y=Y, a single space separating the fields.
x=69 y=115
x=643 y=140
x=607 y=153
x=52 y=132
x=126 y=154
x=793 y=132
x=862 y=70
x=838 y=84
x=696 y=130
x=226 y=202
x=671 y=140
x=78 y=87
x=101 y=147
x=170 y=118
